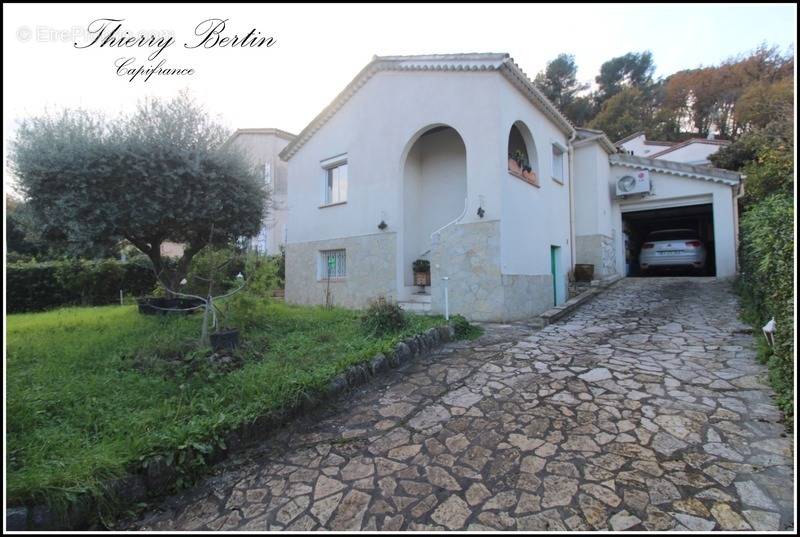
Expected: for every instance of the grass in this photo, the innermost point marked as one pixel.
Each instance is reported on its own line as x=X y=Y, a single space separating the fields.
x=79 y=411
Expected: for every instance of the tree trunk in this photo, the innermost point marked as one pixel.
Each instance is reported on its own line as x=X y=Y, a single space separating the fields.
x=169 y=279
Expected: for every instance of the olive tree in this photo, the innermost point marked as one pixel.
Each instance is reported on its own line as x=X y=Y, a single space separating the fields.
x=160 y=174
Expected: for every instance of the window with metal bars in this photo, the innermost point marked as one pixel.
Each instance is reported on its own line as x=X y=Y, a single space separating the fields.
x=332 y=263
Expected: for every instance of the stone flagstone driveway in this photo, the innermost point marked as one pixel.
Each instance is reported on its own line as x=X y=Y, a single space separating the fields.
x=644 y=410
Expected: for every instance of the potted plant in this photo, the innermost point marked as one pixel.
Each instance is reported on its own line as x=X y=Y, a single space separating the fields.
x=161 y=304
x=422 y=272
x=519 y=166
x=528 y=174
x=516 y=161
x=224 y=338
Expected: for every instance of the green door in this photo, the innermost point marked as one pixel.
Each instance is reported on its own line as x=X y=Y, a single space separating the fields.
x=554 y=272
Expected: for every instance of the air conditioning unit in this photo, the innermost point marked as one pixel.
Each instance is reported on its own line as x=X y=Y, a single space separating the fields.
x=636 y=183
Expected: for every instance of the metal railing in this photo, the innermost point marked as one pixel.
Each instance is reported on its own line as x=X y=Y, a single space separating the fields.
x=464 y=212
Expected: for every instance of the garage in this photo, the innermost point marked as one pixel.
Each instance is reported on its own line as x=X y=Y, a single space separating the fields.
x=638 y=225
x=699 y=200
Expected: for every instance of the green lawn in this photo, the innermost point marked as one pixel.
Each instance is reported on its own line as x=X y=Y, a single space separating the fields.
x=79 y=411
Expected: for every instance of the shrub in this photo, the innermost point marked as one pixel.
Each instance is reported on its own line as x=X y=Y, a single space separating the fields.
x=463 y=328
x=766 y=285
x=244 y=310
x=281 y=258
x=382 y=317
x=40 y=286
x=421 y=265
x=771 y=172
x=263 y=275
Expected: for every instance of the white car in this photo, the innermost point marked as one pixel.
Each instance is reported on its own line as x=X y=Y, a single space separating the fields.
x=673 y=248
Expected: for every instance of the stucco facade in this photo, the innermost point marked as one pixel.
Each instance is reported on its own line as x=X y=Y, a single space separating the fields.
x=426 y=141
x=411 y=161
x=594 y=232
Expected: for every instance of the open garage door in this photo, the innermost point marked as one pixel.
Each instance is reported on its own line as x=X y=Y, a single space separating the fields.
x=639 y=224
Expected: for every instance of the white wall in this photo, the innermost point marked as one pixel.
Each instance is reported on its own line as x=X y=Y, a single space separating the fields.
x=592 y=199
x=533 y=218
x=377 y=128
x=671 y=191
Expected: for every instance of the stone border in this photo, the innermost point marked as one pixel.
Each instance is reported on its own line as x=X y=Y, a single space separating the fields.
x=554 y=314
x=154 y=477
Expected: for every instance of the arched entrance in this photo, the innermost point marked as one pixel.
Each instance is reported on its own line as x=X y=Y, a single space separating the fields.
x=434 y=191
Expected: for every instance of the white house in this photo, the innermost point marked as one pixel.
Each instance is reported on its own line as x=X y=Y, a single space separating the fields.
x=692 y=151
x=262 y=147
x=411 y=161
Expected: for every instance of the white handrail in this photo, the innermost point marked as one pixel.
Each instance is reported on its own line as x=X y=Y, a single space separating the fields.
x=464 y=212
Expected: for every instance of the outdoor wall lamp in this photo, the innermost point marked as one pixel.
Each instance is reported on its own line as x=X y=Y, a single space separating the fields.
x=481 y=212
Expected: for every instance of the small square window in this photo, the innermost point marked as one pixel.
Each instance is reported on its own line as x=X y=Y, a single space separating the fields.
x=336 y=184
x=332 y=264
x=558 y=164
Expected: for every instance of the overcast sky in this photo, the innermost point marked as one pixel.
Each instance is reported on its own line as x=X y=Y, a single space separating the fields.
x=318 y=49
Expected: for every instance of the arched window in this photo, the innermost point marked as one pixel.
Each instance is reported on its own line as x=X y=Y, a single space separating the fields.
x=522 y=159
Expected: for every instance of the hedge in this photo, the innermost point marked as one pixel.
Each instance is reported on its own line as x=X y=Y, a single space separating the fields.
x=41 y=286
x=766 y=285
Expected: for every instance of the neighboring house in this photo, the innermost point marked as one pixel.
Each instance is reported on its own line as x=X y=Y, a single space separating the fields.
x=262 y=146
x=694 y=151
x=411 y=161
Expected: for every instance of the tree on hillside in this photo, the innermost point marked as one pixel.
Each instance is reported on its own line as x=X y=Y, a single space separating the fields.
x=161 y=174
x=559 y=83
x=762 y=102
x=711 y=97
x=629 y=70
x=628 y=111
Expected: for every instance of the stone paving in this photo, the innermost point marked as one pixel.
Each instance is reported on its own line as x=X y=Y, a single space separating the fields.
x=645 y=410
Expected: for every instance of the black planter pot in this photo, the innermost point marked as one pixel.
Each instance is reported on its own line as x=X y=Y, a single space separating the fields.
x=227 y=339
x=151 y=305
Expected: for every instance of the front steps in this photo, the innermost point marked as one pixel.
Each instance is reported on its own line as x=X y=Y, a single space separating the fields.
x=417 y=303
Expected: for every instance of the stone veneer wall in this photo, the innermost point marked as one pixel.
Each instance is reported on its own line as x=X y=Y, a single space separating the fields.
x=371 y=270
x=526 y=295
x=469 y=254
x=597 y=250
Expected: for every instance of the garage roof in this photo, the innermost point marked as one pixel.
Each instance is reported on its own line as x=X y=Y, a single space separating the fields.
x=715 y=175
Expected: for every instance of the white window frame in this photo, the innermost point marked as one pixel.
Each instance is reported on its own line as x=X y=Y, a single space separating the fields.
x=562 y=151
x=328 y=165
x=341 y=264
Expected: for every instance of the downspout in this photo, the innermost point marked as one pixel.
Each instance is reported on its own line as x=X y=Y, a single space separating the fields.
x=570 y=152
x=736 y=197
